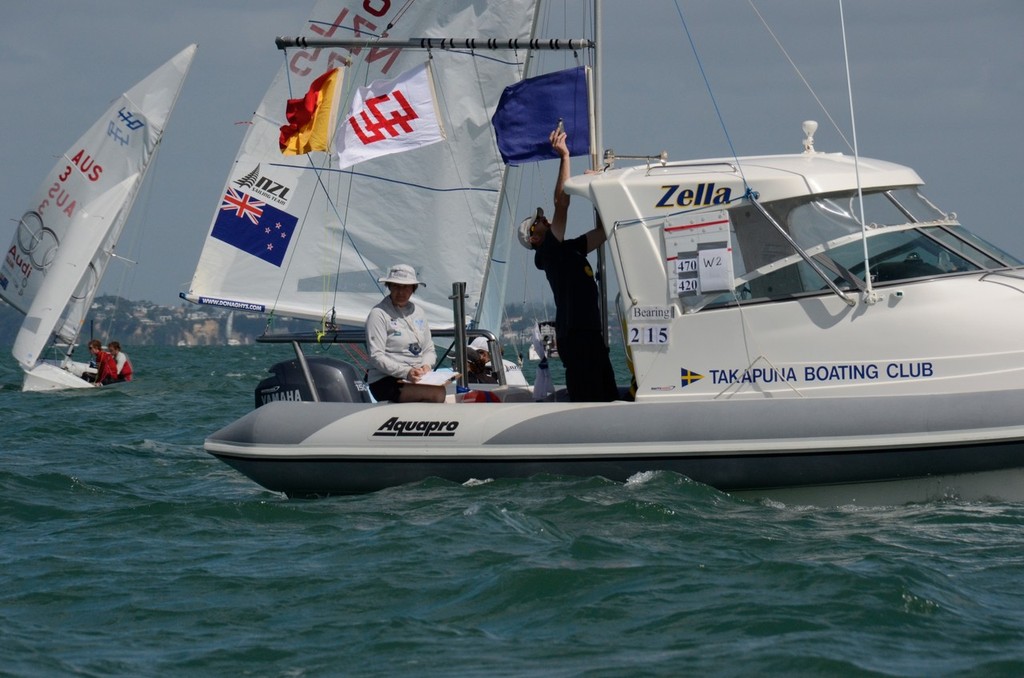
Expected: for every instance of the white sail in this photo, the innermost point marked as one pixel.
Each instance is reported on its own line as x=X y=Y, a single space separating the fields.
x=67 y=237
x=434 y=207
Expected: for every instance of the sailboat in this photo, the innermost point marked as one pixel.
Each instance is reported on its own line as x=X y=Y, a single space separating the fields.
x=63 y=243
x=786 y=316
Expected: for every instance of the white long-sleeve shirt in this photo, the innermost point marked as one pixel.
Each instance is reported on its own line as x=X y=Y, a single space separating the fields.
x=397 y=340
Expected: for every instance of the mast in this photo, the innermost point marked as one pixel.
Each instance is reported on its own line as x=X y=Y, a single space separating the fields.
x=596 y=153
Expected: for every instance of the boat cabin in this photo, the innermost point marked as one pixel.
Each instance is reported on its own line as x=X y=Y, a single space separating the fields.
x=746 y=277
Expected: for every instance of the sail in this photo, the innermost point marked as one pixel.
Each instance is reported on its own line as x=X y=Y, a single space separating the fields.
x=319 y=237
x=65 y=240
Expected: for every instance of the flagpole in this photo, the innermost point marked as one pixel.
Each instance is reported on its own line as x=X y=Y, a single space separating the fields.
x=597 y=148
x=596 y=153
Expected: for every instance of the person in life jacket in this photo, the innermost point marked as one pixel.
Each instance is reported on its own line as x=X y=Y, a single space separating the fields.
x=124 y=365
x=478 y=363
x=106 y=366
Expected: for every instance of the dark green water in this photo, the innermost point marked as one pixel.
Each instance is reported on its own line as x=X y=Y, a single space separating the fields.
x=125 y=550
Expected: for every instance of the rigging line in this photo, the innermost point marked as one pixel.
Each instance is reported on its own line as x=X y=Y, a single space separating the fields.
x=331 y=170
x=481 y=55
x=331 y=27
x=456 y=166
x=138 y=236
x=512 y=180
x=490 y=236
x=398 y=15
x=714 y=102
x=800 y=75
x=349 y=84
x=345 y=235
x=341 y=248
x=869 y=293
x=352 y=173
x=290 y=253
x=287 y=72
x=345 y=83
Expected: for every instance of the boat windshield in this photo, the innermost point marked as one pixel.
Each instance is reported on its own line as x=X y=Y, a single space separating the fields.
x=907 y=237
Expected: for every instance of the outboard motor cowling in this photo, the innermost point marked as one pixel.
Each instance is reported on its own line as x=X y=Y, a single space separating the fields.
x=336 y=382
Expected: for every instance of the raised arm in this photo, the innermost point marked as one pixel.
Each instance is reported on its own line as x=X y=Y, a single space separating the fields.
x=595 y=236
x=561 y=215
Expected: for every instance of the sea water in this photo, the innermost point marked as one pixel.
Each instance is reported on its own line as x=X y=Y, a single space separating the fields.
x=126 y=550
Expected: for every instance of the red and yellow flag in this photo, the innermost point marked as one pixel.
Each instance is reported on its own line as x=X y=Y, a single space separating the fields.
x=311 y=118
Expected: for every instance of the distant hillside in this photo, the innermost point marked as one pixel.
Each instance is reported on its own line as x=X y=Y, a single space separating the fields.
x=142 y=323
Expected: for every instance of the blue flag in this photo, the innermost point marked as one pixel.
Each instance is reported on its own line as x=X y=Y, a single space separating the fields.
x=529 y=110
x=253 y=226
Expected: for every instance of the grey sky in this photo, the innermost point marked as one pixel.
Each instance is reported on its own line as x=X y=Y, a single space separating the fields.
x=936 y=86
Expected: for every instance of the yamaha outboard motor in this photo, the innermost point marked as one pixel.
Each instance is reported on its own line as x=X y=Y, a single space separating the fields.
x=336 y=381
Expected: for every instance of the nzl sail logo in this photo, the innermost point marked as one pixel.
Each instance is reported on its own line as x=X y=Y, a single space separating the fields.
x=254 y=226
x=264 y=187
x=416 y=428
x=392 y=121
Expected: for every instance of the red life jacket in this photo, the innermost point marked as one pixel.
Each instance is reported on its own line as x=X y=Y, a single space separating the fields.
x=126 y=371
x=106 y=367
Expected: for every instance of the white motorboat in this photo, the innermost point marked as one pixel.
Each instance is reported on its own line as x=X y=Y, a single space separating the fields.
x=806 y=326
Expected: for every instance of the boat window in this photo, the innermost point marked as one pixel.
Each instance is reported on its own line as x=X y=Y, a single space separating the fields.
x=917 y=207
x=965 y=243
x=901 y=255
x=828 y=229
x=830 y=218
x=894 y=256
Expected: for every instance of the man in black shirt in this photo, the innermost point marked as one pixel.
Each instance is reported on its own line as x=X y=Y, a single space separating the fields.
x=588 y=370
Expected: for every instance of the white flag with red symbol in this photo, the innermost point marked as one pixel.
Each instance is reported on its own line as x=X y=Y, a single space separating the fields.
x=390 y=116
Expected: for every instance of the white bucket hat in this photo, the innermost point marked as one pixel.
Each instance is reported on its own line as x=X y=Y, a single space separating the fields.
x=480 y=344
x=524 y=229
x=401 y=274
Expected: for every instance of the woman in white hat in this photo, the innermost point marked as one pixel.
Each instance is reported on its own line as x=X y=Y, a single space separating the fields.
x=399 y=342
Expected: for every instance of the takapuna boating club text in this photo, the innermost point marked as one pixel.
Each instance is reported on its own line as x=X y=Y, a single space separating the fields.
x=810 y=373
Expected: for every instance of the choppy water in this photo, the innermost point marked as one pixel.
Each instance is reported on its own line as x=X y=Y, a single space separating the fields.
x=125 y=550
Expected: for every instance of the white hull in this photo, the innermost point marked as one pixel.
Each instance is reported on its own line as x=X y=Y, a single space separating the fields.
x=934 y=410
x=762 y=447
x=47 y=376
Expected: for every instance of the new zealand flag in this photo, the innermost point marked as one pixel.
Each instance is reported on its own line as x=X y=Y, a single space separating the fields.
x=253 y=226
